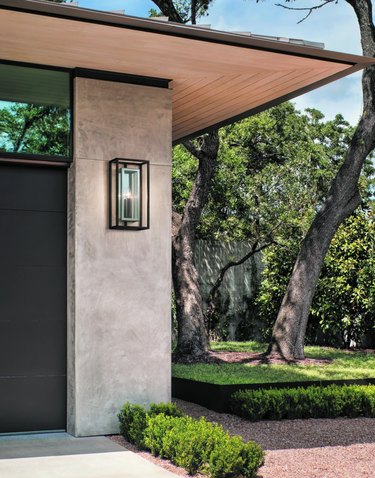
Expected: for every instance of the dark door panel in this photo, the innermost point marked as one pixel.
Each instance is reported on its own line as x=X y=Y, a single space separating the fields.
x=32 y=403
x=32 y=238
x=32 y=299
x=35 y=189
x=23 y=294
x=32 y=348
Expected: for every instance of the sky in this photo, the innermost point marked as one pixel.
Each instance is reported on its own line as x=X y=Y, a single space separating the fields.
x=334 y=25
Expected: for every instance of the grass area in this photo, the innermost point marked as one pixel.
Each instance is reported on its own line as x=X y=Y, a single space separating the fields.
x=344 y=365
x=254 y=347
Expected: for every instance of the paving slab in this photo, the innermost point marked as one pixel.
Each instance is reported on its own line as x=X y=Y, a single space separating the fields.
x=63 y=456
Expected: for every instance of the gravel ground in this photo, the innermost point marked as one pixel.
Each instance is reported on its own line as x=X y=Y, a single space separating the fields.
x=316 y=448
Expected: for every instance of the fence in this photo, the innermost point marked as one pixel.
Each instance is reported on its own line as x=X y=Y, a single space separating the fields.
x=240 y=282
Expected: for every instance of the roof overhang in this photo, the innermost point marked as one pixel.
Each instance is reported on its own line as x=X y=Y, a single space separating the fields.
x=216 y=77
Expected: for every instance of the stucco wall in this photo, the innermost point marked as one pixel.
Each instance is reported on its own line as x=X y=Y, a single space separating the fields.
x=119 y=281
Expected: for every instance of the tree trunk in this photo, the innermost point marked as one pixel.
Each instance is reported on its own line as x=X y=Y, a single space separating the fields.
x=192 y=338
x=192 y=341
x=168 y=9
x=343 y=198
x=28 y=123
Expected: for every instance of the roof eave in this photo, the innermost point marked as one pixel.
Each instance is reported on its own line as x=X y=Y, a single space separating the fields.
x=270 y=104
x=175 y=29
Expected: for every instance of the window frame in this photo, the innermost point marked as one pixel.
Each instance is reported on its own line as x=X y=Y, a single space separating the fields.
x=8 y=155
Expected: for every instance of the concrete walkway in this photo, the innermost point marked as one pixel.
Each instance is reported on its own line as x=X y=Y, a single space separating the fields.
x=59 y=455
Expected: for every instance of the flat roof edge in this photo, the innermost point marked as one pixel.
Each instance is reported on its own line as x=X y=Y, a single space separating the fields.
x=175 y=29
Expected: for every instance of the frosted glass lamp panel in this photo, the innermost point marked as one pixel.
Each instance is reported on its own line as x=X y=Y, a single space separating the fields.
x=129 y=197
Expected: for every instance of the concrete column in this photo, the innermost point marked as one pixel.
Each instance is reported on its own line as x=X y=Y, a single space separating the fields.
x=119 y=282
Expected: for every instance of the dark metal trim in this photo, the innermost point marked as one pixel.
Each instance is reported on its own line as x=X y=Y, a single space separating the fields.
x=218 y=397
x=270 y=104
x=141 y=196
x=34 y=65
x=121 y=77
x=129 y=228
x=148 y=193
x=37 y=432
x=113 y=189
x=32 y=162
x=35 y=157
x=72 y=115
x=96 y=74
x=175 y=29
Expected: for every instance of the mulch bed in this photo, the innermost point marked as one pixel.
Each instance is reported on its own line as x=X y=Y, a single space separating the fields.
x=256 y=358
x=249 y=358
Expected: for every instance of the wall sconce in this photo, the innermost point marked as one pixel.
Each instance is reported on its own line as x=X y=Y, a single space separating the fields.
x=129 y=194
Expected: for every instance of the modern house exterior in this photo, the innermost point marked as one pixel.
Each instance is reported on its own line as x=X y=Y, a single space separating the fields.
x=85 y=205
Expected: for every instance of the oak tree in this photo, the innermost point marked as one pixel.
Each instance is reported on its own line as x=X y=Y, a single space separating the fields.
x=192 y=340
x=343 y=198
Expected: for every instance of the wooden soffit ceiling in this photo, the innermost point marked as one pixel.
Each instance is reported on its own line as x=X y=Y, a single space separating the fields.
x=216 y=77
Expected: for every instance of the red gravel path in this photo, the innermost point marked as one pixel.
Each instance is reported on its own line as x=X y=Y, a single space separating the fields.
x=353 y=461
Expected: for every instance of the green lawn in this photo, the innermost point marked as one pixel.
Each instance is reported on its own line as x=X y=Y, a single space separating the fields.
x=344 y=365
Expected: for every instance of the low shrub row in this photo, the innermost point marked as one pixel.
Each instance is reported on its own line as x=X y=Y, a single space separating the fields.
x=133 y=420
x=311 y=402
x=196 y=445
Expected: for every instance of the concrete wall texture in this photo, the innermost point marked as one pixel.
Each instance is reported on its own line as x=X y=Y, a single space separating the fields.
x=118 y=281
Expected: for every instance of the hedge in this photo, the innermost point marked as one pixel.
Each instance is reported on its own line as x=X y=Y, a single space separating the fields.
x=311 y=402
x=133 y=420
x=196 y=445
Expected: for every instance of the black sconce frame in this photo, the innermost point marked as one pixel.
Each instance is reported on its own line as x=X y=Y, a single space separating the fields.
x=115 y=166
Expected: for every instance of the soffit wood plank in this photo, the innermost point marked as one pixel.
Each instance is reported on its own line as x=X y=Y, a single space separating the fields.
x=217 y=113
x=245 y=102
x=191 y=86
x=214 y=88
x=209 y=98
x=276 y=83
x=98 y=46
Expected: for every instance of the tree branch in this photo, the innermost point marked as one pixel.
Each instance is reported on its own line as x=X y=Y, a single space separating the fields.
x=190 y=146
x=363 y=11
x=309 y=10
x=193 y=16
x=28 y=123
x=212 y=294
x=168 y=9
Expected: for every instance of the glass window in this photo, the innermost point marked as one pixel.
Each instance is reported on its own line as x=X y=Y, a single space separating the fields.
x=35 y=116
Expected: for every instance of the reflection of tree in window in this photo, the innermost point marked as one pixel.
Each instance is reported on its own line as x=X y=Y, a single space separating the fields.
x=30 y=128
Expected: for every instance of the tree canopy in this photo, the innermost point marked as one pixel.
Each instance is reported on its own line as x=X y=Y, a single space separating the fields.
x=343 y=308
x=274 y=171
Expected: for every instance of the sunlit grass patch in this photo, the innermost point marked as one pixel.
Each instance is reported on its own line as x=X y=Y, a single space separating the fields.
x=344 y=365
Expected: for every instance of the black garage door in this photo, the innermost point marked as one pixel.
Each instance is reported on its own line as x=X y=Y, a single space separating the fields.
x=32 y=298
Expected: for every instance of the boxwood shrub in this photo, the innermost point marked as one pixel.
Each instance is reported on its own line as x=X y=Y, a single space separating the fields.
x=133 y=420
x=196 y=445
x=311 y=402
